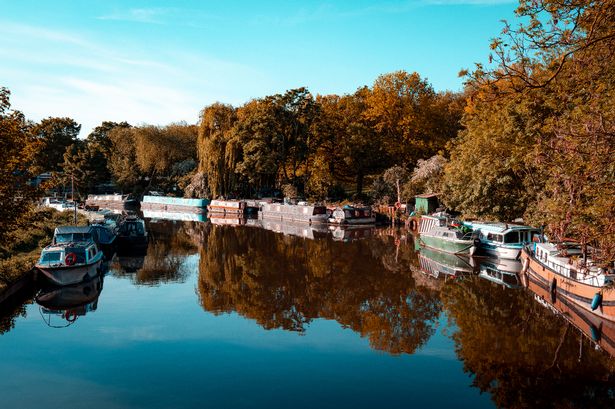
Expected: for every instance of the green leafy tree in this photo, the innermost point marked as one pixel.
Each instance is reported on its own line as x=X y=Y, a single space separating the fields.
x=55 y=136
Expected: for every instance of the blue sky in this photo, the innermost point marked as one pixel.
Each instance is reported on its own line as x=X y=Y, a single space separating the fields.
x=162 y=61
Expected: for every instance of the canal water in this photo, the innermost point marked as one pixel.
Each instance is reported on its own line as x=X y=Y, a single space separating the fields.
x=288 y=316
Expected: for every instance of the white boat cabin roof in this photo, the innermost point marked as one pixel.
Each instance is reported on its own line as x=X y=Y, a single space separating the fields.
x=498 y=227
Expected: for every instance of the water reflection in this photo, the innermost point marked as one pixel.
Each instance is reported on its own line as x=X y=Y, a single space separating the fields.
x=520 y=353
x=61 y=306
x=512 y=342
x=170 y=242
x=283 y=282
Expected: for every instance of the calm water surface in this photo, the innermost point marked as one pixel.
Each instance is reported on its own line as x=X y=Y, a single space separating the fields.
x=286 y=316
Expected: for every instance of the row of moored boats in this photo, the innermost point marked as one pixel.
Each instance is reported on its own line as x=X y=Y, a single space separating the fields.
x=563 y=268
x=77 y=252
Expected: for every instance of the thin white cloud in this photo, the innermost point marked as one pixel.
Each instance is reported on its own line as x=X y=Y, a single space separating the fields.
x=139 y=15
x=52 y=74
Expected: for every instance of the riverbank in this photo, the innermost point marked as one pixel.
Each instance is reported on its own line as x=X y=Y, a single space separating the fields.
x=21 y=248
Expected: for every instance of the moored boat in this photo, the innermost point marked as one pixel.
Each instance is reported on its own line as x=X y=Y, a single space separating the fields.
x=352 y=215
x=297 y=213
x=502 y=240
x=132 y=234
x=571 y=276
x=441 y=233
x=70 y=263
x=230 y=207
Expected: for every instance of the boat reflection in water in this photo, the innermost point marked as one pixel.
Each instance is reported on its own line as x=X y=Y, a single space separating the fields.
x=599 y=330
x=350 y=233
x=438 y=264
x=170 y=242
x=67 y=303
x=501 y=271
x=295 y=228
x=178 y=216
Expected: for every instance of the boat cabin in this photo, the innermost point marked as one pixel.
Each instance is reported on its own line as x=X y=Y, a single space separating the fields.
x=69 y=254
x=72 y=234
x=567 y=260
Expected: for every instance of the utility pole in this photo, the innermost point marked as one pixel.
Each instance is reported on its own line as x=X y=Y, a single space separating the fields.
x=72 y=191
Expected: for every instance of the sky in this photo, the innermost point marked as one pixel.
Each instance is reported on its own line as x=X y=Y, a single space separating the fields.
x=158 y=62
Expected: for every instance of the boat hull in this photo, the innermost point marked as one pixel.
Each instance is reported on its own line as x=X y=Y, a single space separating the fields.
x=500 y=252
x=571 y=290
x=448 y=246
x=70 y=275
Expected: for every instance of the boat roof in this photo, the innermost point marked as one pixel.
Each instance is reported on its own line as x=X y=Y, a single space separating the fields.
x=497 y=227
x=72 y=229
x=62 y=246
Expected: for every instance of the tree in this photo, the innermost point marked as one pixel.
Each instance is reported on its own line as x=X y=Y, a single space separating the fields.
x=123 y=160
x=396 y=177
x=214 y=140
x=406 y=111
x=100 y=135
x=544 y=120
x=55 y=136
x=85 y=165
x=17 y=151
x=427 y=175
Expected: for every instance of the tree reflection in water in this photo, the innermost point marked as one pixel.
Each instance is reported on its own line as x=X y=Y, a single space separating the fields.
x=521 y=353
x=286 y=282
x=169 y=244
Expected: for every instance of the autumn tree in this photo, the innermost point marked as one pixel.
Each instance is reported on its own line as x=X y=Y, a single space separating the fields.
x=122 y=162
x=543 y=119
x=17 y=151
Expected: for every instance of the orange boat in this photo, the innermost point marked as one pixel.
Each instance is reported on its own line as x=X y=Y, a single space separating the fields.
x=563 y=270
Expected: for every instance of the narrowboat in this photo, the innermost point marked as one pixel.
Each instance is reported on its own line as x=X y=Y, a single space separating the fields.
x=174 y=204
x=568 y=274
x=230 y=207
x=502 y=240
x=70 y=263
x=301 y=212
x=352 y=215
x=443 y=234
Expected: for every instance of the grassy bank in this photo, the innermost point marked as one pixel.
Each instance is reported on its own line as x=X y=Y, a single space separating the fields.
x=21 y=248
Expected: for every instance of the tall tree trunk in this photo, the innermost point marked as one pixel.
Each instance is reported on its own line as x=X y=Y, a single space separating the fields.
x=360 y=182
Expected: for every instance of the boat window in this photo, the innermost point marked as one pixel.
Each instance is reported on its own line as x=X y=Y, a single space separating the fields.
x=511 y=237
x=79 y=252
x=319 y=210
x=495 y=237
x=63 y=238
x=51 y=257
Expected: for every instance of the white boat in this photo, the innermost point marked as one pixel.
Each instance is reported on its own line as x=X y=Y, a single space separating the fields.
x=70 y=263
x=58 y=204
x=502 y=240
x=303 y=213
x=352 y=215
